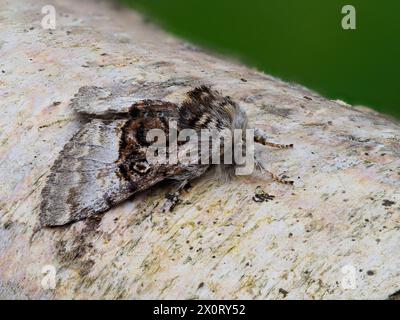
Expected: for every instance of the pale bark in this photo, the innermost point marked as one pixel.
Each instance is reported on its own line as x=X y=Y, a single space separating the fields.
x=344 y=209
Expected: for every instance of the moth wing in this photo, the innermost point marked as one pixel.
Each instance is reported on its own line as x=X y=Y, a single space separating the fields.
x=84 y=179
x=98 y=101
x=118 y=98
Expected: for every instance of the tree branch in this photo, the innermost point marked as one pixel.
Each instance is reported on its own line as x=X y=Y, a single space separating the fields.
x=338 y=223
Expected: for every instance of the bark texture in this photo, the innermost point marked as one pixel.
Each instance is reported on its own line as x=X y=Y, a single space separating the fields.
x=334 y=234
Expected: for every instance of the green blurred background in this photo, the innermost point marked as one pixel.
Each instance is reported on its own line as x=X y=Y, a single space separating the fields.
x=299 y=41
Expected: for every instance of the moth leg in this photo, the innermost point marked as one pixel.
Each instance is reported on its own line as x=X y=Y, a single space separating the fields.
x=261 y=137
x=173 y=198
x=274 y=177
x=278 y=179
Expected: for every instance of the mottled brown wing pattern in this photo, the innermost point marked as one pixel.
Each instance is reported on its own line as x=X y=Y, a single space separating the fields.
x=102 y=165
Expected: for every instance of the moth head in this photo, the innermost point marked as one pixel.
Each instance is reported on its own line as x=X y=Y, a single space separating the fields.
x=237 y=141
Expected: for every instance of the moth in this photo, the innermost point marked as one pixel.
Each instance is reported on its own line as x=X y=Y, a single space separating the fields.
x=105 y=162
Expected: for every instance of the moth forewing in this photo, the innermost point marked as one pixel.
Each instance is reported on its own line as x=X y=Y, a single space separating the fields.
x=84 y=179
